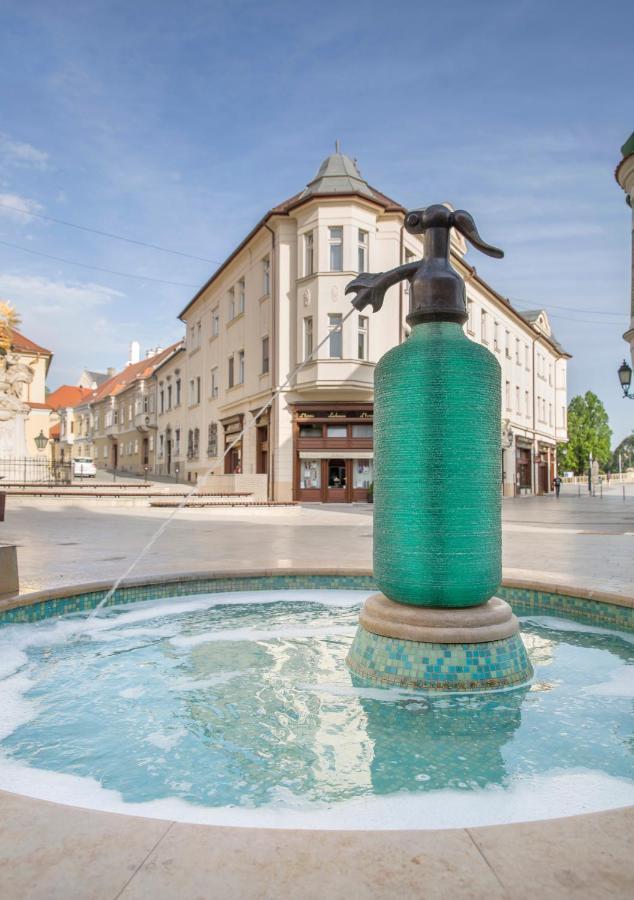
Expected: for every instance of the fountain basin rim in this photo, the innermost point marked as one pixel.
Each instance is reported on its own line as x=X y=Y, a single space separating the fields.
x=15 y=602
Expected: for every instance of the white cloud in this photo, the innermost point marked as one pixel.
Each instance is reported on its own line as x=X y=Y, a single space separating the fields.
x=43 y=296
x=11 y=206
x=16 y=153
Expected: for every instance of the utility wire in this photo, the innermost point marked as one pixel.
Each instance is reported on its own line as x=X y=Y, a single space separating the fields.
x=97 y=268
x=109 y=234
x=591 y=312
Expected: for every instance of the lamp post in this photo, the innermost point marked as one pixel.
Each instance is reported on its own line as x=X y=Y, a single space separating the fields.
x=625 y=377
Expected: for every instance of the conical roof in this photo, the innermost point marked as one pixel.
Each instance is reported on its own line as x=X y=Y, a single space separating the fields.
x=338 y=174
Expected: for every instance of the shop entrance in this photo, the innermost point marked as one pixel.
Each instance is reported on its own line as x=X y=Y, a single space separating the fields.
x=337 y=476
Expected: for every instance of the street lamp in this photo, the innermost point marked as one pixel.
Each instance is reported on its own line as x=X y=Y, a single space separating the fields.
x=41 y=441
x=625 y=377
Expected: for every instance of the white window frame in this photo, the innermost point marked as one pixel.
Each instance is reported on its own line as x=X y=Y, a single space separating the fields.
x=335 y=248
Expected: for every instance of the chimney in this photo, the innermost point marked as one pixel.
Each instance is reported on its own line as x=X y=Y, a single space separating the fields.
x=135 y=353
x=110 y=371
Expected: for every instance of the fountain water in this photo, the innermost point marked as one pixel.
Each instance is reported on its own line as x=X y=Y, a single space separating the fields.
x=437 y=506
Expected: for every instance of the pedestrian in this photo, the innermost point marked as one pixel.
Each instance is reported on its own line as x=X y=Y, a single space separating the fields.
x=557 y=485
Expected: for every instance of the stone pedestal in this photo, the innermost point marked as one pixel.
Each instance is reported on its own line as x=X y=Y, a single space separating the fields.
x=9 y=582
x=470 y=649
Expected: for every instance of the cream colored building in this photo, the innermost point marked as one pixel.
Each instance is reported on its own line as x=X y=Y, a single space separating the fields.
x=24 y=411
x=279 y=295
x=625 y=177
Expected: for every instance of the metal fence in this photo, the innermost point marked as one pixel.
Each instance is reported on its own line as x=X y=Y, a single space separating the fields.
x=34 y=470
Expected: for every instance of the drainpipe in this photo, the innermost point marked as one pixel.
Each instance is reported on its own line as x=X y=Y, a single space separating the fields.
x=270 y=487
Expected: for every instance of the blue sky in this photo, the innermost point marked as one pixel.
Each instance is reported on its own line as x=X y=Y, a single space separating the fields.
x=179 y=125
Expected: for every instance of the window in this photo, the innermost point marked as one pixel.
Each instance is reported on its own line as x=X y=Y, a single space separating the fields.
x=212 y=439
x=232 y=303
x=361 y=473
x=241 y=367
x=309 y=253
x=215 y=322
x=241 y=295
x=336 y=431
x=517 y=351
x=362 y=347
x=496 y=335
x=146 y=401
x=190 y=444
x=507 y=394
x=335 y=243
x=470 y=327
x=161 y=444
x=265 y=355
x=310 y=475
x=214 y=382
x=550 y=374
x=177 y=442
x=151 y=442
x=136 y=446
x=311 y=431
x=198 y=389
x=527 y=405
x=266 y=275
x=507 y=344
x=483 y=327
x=169 y=396
x=550 y=414
x=196 y=441
x=362 y=431
x=527 y=364
x=362 y=252
x=178 y=392
x=336 y=342
x=308 y=337
x=230 y=380
x=518 y=408
x=161 y=402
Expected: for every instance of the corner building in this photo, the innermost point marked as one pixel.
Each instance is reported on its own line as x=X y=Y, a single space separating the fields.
x=280 y=294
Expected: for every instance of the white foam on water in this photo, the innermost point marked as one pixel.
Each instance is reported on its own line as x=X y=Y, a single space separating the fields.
x=285 y=632
x=132 y=693
x=15 y=709
x=621 y=684
x=553 y=795
x=166 y=740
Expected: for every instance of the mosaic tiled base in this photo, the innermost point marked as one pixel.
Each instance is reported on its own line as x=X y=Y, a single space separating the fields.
x=439 y=667
x=524 y=601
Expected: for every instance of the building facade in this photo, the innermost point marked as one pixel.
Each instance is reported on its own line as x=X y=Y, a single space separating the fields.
x=625 y=177
x=265 y=348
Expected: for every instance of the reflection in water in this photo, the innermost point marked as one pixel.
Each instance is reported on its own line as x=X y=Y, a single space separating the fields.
x=451 y=741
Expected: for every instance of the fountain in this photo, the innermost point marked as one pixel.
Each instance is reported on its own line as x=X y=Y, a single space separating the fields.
x=437 y=517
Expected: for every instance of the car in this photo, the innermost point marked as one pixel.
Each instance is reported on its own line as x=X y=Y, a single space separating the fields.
x=83 y=467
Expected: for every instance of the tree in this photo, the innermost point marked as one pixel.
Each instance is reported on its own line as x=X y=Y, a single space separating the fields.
x=626 y=451
x=588 y=433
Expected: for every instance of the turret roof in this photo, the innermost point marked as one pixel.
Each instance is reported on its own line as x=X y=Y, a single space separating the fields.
x=628 y=147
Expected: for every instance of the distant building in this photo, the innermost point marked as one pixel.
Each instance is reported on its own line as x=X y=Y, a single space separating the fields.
x=278 y=295
x=24 y=410
x=625 y=177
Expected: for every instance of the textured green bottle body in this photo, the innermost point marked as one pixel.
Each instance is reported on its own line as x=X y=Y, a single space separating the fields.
x=437 y=459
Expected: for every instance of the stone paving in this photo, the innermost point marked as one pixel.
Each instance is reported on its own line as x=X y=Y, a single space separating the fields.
x=576 y=540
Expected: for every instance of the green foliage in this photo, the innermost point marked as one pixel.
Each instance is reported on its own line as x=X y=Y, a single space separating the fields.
x=588 y=432
x=626 y=451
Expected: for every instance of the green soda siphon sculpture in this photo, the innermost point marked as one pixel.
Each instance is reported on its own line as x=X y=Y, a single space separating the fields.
x=437 y=489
